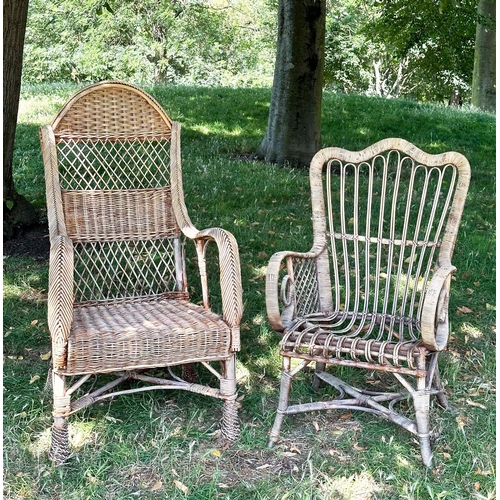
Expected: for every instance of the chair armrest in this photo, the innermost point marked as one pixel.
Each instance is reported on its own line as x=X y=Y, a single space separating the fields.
x=230 y=276
x=281 y=319
x=434 y=319
x=60 y=297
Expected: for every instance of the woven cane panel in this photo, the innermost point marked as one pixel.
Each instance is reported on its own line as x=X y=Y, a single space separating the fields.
x=144 y=334
x=113 y=165
x=110 y=270
x=113 y=112
x=119 y=215
x=306 y=286
x=386 y=219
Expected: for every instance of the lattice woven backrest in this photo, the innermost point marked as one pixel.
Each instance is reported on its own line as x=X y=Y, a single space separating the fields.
x=113 y=159
x=386 y=220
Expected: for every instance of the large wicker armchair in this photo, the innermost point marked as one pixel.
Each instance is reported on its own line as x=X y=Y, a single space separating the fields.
x=372 y=293
x=118 y=297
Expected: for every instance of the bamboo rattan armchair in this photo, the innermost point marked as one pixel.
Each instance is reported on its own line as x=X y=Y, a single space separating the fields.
x=118 y=298
x=372 y=293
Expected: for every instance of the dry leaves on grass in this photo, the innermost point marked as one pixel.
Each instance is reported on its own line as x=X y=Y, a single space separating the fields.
x=181 y=486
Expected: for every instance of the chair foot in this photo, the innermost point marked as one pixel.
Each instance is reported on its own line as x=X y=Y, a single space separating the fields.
x=442 y=400
x=189 y=373
x=421 y=402
x=425 y=450
x=320 y=367
x=230 y=428
x=59 y=448
x=275 y=431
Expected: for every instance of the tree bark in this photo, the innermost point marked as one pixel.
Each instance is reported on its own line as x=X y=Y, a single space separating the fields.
x=17 y=211
x=293 y=132
x=484 y=75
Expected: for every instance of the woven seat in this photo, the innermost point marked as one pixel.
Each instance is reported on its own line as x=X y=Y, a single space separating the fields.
x=327 y=347
x=144 y=334
x=372 y=293
x=118 y=301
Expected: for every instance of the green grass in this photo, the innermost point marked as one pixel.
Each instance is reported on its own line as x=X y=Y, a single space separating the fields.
x=156 y=444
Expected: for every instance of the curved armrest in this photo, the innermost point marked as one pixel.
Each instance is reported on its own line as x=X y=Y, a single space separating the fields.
x=230 y=277
x=434 y=319
x=278 y=319
x=229 y=260
x=60 y=297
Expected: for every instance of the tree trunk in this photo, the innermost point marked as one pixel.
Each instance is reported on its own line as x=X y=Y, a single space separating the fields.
x=484 y=75
x=17 y=211
x=293 y=133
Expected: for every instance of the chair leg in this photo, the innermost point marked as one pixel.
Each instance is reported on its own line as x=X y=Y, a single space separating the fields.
x=320 y=367
x=230 y=427
x=59 y=448
x=436 y=384
x=189 y=373
x=421 y=401
x=286 y=383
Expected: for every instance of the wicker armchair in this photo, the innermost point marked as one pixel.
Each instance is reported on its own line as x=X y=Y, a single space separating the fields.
x=372 y=293
x=118 y=298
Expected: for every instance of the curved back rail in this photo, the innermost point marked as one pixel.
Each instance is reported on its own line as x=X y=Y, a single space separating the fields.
x=110 y=147
x=389 y=215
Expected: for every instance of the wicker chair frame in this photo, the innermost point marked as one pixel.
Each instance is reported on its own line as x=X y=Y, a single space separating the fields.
x=118 y=299
x=372 y=293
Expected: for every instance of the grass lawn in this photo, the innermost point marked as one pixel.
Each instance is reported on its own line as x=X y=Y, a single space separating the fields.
x=162 y=444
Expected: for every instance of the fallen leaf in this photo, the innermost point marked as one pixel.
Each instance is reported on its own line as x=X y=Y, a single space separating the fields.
x=316 y=426
x=473 y=403
x=34 y=378
x=157 y=486
x=34 y=322
x=465 y=309
x=294 y=449
x=216 y=453
x=46 y=356
x=359 y=448
x=477 y=486
x=181 y=486
x=481 y=472
x=112 y=419
x=345 y=416
x=461 y=421
x=264 y=466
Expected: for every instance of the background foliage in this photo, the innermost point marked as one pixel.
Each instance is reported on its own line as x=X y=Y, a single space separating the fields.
x=391 y=48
